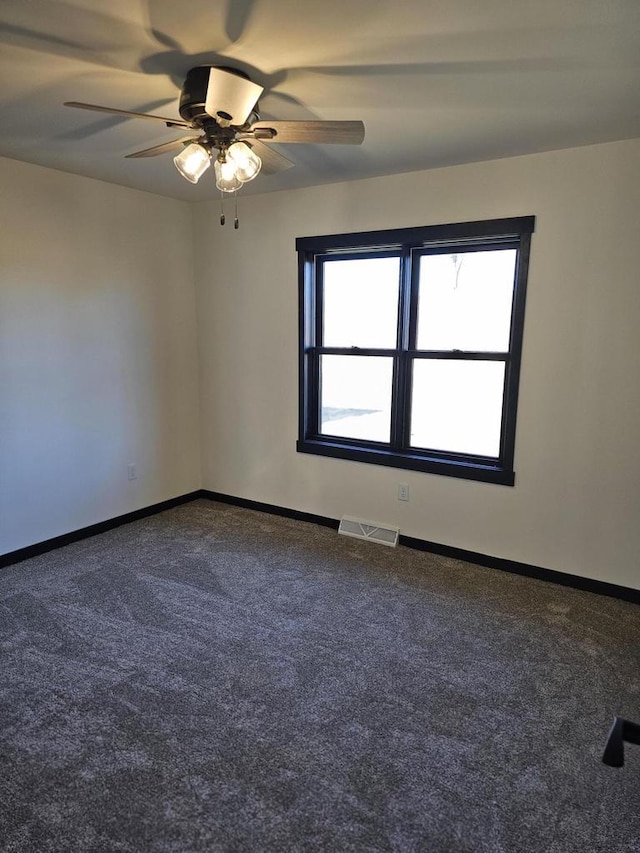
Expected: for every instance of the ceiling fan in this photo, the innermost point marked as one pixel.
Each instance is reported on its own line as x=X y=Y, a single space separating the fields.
x=219 y=106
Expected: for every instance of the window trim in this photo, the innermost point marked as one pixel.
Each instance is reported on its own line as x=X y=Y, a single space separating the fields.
x=409 y=244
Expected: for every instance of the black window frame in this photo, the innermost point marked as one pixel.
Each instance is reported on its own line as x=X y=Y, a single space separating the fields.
x=409 y=244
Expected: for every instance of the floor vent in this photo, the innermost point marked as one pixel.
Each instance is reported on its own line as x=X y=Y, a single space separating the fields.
x=383 y=534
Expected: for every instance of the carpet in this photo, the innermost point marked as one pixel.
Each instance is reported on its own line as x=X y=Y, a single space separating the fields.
x=218 y=679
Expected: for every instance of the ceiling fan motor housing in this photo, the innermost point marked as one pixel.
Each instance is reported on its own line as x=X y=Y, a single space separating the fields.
x=194 y=94
x=193 y=97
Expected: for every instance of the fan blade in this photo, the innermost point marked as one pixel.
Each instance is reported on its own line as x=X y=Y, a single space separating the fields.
x=339 y=132
x=170 y=122
x=230 y=98
x=272 y=160
x=162 y=149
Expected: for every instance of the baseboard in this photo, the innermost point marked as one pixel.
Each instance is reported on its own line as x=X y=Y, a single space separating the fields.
x=272 y=509
x=92 y=530
x=611 y=590
x=549 y=575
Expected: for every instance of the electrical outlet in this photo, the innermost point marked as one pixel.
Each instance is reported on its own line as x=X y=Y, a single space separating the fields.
x=403 y=492
x=132 y=472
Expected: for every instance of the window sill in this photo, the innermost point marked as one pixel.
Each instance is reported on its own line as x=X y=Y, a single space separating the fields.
x=468 y=470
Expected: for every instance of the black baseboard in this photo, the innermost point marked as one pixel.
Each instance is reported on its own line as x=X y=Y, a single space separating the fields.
x=611 y=590
x=272 y=509
x=549 y=575
x=92 y=530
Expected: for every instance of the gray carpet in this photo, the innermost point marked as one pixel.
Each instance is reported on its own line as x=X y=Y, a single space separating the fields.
x=216 y=679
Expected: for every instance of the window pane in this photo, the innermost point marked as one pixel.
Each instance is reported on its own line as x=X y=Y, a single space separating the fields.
x=361 y=302
x=356 y=396
x=465 y=301
x=457 y=406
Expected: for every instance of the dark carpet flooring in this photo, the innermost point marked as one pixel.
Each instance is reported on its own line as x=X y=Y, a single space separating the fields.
x=216 y=679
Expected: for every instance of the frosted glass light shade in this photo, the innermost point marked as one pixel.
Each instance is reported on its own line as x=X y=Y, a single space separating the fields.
x=192 y=162
x=246 y=161
x=226 y=178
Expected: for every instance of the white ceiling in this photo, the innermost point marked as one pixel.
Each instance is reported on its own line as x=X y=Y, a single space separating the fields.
x=436 y=82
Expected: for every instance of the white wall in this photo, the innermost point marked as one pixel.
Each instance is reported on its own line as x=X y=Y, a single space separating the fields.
x=576 y=503
x=98 y=364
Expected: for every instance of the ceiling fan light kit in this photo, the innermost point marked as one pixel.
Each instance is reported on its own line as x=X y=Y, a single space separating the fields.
x=193 y=161
x=227 y=180
x=246 y=162
x=233 y=167
x=221 y=105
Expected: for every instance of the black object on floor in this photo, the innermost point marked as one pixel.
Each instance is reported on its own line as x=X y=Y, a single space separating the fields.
x=621 y=730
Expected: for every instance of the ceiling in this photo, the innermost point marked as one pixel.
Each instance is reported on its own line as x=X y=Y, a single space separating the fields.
x=436 y=82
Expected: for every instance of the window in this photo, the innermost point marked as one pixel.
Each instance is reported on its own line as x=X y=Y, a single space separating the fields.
x=410 y=344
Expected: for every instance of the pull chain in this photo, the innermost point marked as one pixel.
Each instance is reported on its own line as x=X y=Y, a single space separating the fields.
x=222 y=216
x=236 y=221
